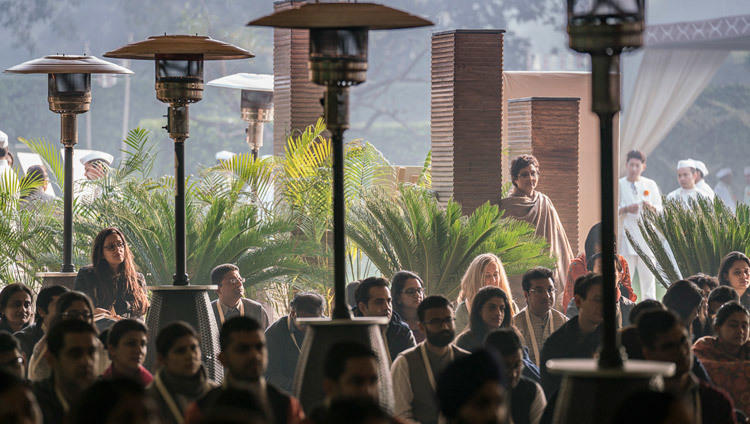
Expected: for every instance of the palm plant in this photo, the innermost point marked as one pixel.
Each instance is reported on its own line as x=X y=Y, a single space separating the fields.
x=688 y=239
x=412 y=231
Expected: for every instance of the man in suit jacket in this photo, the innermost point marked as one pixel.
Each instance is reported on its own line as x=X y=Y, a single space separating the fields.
x=231 y=301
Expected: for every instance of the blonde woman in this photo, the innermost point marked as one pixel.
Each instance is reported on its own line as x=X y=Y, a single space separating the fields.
x=485 y=270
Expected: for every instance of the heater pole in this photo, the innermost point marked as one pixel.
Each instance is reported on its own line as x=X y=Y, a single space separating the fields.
x=177 y=123
x=69 y=138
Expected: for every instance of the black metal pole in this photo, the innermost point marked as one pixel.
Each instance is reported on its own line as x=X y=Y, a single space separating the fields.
x=606 y=103
x=69 y=137
x=255 y=154
x=178 y=129
x=336 y=104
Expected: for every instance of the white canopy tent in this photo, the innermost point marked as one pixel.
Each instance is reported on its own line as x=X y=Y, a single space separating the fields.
x=662 y=80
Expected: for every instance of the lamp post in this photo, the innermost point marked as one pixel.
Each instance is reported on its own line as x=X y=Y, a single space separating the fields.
x=593 y=389
x=69 y=94
x=178 y=63
x=338 y=60
x=256 y=103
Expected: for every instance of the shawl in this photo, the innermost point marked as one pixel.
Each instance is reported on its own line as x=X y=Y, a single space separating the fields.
x=539 y=212
x=729 y=373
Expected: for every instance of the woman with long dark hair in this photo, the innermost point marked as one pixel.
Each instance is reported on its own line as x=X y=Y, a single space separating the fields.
x=111 y=281
x=490 y=310
x=734 y=272
x=407 y=291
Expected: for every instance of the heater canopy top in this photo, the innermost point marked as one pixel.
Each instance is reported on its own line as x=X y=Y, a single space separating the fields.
x=174 y=46
x=245 y=81
x=341 y=15
x=68 y=64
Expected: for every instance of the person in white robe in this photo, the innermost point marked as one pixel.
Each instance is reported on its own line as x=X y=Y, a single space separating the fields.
x=700 y=173
x=637 y=193
x=724 y=189
x=687 y=189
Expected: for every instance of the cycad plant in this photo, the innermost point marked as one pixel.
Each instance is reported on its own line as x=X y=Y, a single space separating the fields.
x=411 y=231
x=688 y=239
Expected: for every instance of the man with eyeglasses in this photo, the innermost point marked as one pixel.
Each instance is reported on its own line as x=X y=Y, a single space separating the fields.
x=538 y=319
x=637 y=193
x=11 y=357
x=415 y=371
x=231 y=301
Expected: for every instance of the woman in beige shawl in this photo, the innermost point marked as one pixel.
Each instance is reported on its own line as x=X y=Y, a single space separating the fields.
x=527 y=204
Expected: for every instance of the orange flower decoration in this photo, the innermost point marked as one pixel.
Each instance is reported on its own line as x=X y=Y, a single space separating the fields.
x=645 y=192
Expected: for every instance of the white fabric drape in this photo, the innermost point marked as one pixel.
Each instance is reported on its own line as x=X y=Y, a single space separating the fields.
x=668 y=82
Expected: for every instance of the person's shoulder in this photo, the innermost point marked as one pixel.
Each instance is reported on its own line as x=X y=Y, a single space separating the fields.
x=716 y=395
x=86 y=270
x=251 y=303
x=278 y=326
x=459 y=351
x=704 y=343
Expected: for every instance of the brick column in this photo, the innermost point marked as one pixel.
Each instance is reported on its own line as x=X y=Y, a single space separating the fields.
x=296 y=99
x=466 y=96
x=548 y=128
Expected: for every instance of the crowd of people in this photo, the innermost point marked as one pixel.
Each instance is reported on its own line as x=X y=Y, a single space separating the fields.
x=77 y=356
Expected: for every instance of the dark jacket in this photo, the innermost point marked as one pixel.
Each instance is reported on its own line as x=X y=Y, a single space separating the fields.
x=108 y=294
x=283 y=354
x=398 y=336
x=28 y=337
x=468 y=340
x=716 y=406
x=567 y=342
x=52 y=409
x=283 y=408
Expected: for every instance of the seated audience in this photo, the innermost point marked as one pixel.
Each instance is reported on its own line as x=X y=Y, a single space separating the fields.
x=232 y=301
x=490 y=310
x=126 y=344
x=408 y=290
x=538 y=319
x=11 y=357
x=653 y=408
x=17 y=401
x=629 y=335
x=114 y=401
x=472 y=390
x=181 y=377
x=665 y=338
x=374 y=300
x=726 y=356
x=685 y=299
x=244 y=356
x=718 y=297
x=624 y=304
x=485 y=270
x=579 y=337
x=15 y=307
x=37 y=195
x=236 y=406
x=415 y=371
x=527 y=401
x=70 y=306
x=702 y=325
x=285 y=338
x=46 y=301
x=734 y=272
x=72 y=355
x=350 y=370
x=358 y=410
x=579 y=267
x=112 y=281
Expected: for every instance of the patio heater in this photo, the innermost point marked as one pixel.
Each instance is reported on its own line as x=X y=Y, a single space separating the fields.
x=69 y=94
x=592 y=389
x=256 y=103
x=338 y=60
x=178 y=63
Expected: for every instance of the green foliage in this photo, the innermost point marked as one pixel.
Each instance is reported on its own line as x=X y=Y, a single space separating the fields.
x=412 y=231
x=697 y=236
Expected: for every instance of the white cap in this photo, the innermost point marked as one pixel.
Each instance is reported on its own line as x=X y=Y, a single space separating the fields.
x=224 y=155
x=686 y=163
x=94 y=155
x=723 y=172
x=701 y=167
x=3 y=140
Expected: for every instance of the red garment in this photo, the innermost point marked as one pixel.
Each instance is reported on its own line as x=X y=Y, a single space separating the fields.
x=578 y=269
x=728 y=372
x=144 y=377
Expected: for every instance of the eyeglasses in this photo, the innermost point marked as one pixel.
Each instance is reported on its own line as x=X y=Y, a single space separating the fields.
x=413 y=291
x=77 y=314
x=437 y=322
x=236 y=281
x=542 y=290
x=113 y=246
